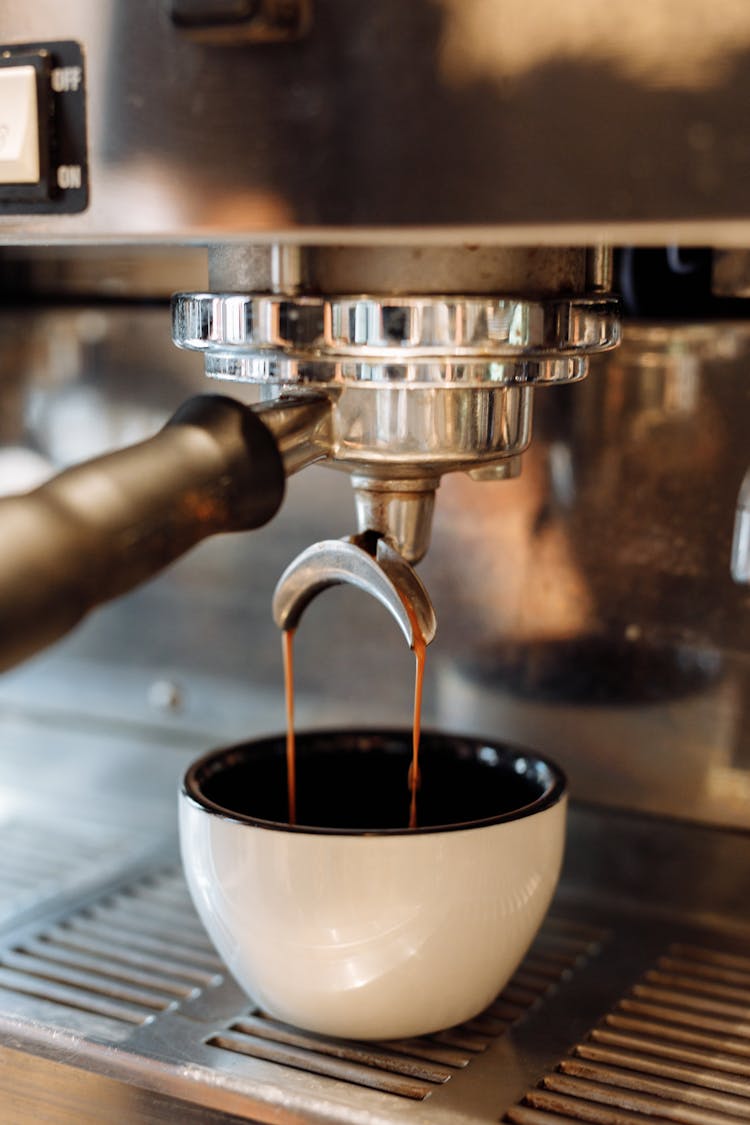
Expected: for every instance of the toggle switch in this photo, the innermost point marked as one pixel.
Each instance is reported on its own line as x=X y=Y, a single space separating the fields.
x=19 y=126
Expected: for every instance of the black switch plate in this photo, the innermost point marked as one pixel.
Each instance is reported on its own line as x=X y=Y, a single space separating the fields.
x=61 y=99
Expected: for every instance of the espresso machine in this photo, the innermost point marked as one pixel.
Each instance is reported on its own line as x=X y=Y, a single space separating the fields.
x=469 y=284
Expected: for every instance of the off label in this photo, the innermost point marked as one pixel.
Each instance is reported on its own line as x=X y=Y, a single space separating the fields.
x=69 y=176
x=66 y=79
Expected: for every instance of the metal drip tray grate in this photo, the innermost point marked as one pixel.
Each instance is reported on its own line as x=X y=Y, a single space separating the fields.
x=133 y=969
x=412 y=1068
x=113 y=965
x=676 y=1048
x=123 y=992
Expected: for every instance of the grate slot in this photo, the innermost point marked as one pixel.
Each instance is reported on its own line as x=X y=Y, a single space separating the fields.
x=712 y=957
x=164 y=888
x=694 y=1075
x=712 y=1060
x=608 y=1112
x=679 y=1004
x=146 y=926
x=374 y=1056
x=315 y=1063
x=659 y=1087
x=655 y=1103
x=509 y=1013
x=90 y=982
x=431 y=1051
x=47 y=1013
x=464 y=1040
x=535 y=981
x=546 y=968
x=67 y=936
x=487 y=1025
x=691 y=1019
x=673 y=996
x=556 y=961
x=61 y=956
x=705 y=971
x=522 y=998
x=679 y=1034
x=584 y=931
x=561 y=945
x=564 y=937
x=167 y=895
x=704 y=987
x=70 y=997
x=173 y=951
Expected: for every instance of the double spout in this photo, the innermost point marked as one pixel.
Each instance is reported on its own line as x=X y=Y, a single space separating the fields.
x=368 y=562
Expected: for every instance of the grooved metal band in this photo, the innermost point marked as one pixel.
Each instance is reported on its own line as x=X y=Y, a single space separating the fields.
x=432 y=340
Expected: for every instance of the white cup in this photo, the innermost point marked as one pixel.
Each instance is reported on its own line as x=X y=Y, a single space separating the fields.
x=354 y=925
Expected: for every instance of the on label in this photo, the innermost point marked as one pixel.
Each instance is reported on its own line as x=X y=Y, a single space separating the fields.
x=69 y=176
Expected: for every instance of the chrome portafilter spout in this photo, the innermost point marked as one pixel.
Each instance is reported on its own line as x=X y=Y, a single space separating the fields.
x=371 y=564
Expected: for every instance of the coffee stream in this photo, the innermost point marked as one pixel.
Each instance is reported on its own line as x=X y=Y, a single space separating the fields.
x=287 y=645
x=420 y=649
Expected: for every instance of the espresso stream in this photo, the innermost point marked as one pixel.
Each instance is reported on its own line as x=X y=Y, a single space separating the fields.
x=420 y=648
x=287 y=645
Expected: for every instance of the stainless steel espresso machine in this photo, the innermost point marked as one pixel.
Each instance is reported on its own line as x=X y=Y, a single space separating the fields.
x=388 y=233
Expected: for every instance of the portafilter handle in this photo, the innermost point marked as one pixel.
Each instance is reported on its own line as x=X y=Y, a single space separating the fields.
x=99 y=529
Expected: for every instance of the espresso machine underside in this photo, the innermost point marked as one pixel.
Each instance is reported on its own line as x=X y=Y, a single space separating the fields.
x=499 y=256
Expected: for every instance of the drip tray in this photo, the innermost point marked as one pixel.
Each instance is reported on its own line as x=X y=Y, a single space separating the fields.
x=116 y=1008
x=676 y=1046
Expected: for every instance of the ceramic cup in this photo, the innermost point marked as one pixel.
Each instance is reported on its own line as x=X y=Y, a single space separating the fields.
x=350 y=923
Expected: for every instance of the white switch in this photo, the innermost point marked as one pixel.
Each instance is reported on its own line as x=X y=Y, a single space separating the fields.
x=19 y=126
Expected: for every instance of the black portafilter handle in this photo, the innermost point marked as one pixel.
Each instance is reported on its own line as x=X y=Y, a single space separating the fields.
x=100 y=528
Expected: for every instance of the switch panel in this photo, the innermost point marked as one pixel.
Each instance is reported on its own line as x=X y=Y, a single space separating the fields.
x=43 y=158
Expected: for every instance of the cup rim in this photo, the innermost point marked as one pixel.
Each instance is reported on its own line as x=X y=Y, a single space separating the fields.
x=555 y=790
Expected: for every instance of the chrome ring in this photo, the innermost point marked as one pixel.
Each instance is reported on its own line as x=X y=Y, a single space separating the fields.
x=467 y=340
x=279 y=369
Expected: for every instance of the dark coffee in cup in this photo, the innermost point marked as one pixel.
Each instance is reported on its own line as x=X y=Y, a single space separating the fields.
x=357 y=782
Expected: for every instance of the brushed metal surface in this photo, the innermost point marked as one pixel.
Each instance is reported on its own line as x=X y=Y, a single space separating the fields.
x=599 y=124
